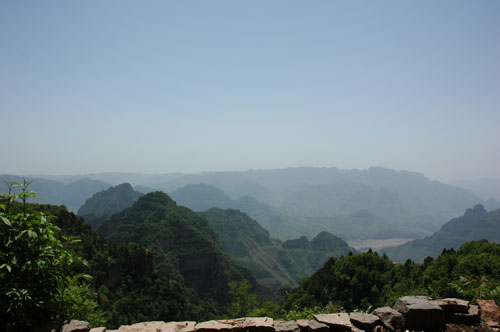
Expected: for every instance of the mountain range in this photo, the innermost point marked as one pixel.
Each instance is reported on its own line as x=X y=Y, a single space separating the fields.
x=376 y=203
x=274 y=263
x=71 y=194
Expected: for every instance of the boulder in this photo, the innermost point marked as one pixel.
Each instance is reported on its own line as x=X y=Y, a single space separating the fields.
x=453 y=305
x=389 y=317
x=420 y=313
x=312 y=325
x=98 y=329
x=364 y=320
x=336 y=322
x=158 y=326
x=76 y=326
x=490 y=313
x=285 y=326
x=260 y=324
x=470 y=318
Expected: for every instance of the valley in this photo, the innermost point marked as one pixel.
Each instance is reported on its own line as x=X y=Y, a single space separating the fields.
x=364 y=245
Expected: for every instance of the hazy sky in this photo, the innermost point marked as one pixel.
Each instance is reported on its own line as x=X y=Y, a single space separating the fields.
x=162 y=86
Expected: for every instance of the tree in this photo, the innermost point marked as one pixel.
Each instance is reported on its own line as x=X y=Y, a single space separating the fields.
x=35 y=285
x=242 y=301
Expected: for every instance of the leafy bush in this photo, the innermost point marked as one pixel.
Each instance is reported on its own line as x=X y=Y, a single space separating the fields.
x=34 y=272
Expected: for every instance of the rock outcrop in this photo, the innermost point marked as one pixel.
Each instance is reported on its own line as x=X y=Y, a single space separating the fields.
x=411 y=313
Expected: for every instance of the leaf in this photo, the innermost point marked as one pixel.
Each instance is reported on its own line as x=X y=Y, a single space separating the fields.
x=6 y=221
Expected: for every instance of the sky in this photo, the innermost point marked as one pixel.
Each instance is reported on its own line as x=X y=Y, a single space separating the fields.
x=190 y=86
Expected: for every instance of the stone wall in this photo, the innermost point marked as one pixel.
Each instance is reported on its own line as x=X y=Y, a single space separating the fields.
x=410 y=313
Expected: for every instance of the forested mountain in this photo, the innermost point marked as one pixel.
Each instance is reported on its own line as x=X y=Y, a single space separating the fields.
x=274 y=263
x=72 y=194
x=107 y=202
x=129 y=286
x=368 y=280
x=475 y=224
x=184 y=245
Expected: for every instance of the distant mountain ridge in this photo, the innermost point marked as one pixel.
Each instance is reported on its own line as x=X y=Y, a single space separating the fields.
x=201 y=197
x=72 y=194
x=394 y=197
x=475 y=224
x=353 y=221
x=305 y=201
x=107 y=202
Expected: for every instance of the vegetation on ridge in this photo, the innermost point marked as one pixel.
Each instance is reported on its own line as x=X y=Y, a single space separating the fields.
x=368 y=280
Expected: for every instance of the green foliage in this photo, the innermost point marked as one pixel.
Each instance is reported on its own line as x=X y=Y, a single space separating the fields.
x=129 y=288
x=472 y=289
x=242 y=300
x=184 y=246
x=80 y=302
x=359 y=281
x=35 y=265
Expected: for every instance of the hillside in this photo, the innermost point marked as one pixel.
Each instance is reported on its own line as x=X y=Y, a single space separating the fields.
x=125 y=277
x=72 y=194
x=369 y=280
x=475 y=224
x=106 y=202
x=274 y=264
x=185 y=247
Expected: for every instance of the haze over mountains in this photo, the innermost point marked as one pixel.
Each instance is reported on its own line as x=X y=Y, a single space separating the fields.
x=376 y=203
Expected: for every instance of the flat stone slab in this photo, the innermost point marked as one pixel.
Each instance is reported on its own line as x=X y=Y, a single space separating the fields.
x=260 y=324
x=389 y=317
x=490 y=313
x=364 y=320
x=312 y=325
x=453 y=305
x=76 y=326
x=420 y=313
x=285 y=326
x=337 y=322
x=158 y=326
x=98 y=329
